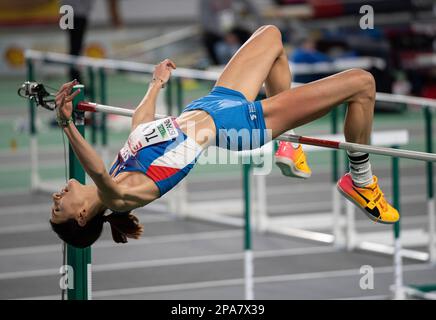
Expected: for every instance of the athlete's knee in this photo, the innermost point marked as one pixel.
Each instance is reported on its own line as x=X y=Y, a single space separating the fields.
x=365 y=83
x=273 y=31
x=273 y=34
x=368 y=83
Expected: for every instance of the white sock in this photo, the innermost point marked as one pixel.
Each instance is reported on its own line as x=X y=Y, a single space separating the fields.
x=360 y=168
x=294 y=145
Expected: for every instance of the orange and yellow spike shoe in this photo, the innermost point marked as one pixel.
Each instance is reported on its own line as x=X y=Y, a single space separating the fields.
x=369 y=199
x=292 y=161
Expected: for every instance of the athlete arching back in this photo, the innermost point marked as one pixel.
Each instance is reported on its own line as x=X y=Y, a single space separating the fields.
x=146 y=174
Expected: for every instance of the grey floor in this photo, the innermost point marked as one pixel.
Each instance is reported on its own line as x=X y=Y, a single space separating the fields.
x=191 y=259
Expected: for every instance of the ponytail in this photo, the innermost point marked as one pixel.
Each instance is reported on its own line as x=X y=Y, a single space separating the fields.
x=124 y=225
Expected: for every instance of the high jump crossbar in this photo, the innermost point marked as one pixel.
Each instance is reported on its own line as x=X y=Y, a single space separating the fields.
x=349 y=146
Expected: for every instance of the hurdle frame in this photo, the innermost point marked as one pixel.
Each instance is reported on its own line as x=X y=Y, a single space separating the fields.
x=78 y=259
x=102 y=64
x=427 y=291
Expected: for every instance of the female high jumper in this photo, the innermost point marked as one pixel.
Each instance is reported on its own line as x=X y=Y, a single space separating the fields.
x=160 y=153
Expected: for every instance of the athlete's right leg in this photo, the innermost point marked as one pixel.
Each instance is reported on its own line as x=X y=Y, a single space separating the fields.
x=306 y=103
x=250 y=66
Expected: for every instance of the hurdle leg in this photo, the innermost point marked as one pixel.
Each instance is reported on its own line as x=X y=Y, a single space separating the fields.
x=92 y=95
x=181 y=197
x=351 y=226
x=78 y=259
x=179 y=203
x=103 y=124
x=398 y=263
x=338 y=227
x=430 y=187
x=338 y=233
x=34 y=176
x=248 y=254
x=264 y=154
x=350 y=216
x=432 y=230
x=261 y=204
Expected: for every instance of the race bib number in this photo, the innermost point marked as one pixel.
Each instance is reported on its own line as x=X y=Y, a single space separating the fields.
x=147 y=134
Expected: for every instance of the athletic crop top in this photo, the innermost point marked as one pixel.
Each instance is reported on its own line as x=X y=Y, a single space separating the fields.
x=160 y=150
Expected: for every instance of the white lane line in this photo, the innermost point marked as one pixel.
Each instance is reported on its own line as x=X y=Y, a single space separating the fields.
x=286 y=189
x=229 y=193
x=204 y=177
x=315 y=206
x=47 y=164
x=173 y=261
x=29 y=274
x=374 y=297
x=18 y=191
x=34 y=227
x=233 y=207
x=258 y=280
x=224 y=234
x=39 y=227
x=146 y=217
x=26 y=209
x=212 y=258
x=238 y=282
x=290 y=189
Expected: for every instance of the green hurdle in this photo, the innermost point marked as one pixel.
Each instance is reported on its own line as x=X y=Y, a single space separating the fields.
x=91 y=91
x=398 y=264
x=424 y=290
x=78 y=259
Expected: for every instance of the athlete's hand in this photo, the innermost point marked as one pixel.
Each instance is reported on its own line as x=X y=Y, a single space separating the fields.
x=162 y=71
x=64 y=98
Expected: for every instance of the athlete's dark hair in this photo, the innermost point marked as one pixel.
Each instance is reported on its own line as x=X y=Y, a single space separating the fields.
x=123 y=225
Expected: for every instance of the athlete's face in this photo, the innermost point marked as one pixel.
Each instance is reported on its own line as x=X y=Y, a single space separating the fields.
x=67 y=203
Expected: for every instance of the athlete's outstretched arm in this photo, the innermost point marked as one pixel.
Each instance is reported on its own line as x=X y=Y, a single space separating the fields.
x=88 y=157
x=146 y=110
x=113 y=195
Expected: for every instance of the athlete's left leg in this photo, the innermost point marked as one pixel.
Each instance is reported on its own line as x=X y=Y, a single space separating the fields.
x=249 y=67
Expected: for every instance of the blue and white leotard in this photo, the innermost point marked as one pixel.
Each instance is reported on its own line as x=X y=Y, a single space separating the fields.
x=166 y=163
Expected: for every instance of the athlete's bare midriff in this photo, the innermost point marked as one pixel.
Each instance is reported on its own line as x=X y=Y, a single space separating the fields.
x=197 y=125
